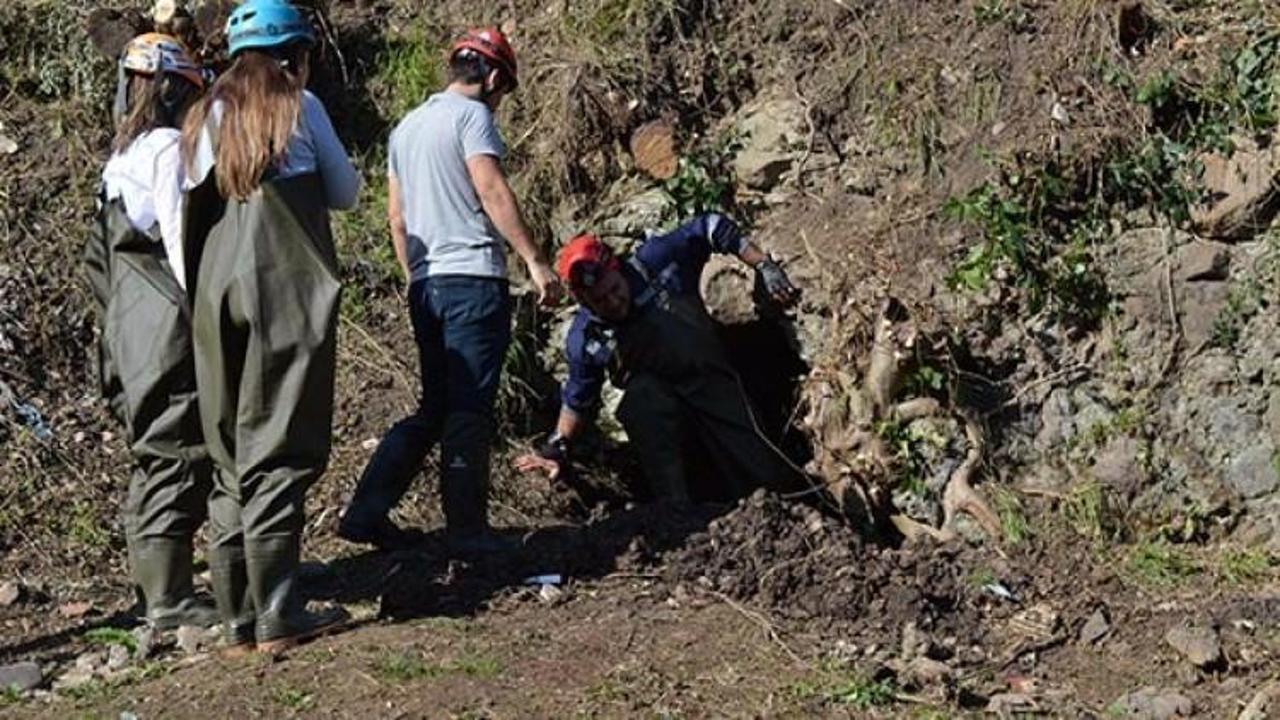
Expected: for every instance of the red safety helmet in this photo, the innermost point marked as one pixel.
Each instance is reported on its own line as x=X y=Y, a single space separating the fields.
x=582 y=259
x=491 y=44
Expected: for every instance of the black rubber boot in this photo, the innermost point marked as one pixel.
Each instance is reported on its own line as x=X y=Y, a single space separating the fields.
x=163 y=571
x=385 y=480
x=464 y=488
x=283 y=620
x=231 y=589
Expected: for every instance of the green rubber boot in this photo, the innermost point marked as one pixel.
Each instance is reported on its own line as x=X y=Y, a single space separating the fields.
x=283 y=620
x=163 y=571
x=231 y=589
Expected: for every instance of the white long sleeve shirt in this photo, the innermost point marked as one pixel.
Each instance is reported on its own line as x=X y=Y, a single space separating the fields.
x=148 y=177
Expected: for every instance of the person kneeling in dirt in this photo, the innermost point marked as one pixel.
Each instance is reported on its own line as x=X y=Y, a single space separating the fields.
x=134 y=265
x=643 y=321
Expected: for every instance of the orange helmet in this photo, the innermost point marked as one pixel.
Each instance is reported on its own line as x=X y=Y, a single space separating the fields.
x=155 y=53
x=492 y=45
x=582 y=259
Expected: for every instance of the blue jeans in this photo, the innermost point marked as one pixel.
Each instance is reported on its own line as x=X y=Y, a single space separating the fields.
x=463 y=327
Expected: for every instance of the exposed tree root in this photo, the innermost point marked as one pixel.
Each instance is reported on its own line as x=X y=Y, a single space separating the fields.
x=845 y=416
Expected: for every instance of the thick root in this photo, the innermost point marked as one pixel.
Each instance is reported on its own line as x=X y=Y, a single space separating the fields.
x=915 y=409
x=960 y=495
x=914 y=530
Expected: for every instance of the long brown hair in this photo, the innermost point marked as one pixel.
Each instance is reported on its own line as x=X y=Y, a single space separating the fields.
x=155 y=102
x=261 y=100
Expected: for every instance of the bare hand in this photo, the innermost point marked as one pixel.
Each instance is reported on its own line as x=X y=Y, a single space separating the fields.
x=533 y=462
x=550 y=290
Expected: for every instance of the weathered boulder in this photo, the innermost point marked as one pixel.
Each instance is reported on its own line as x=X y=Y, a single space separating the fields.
x=774 y=132
x=1199 y=644
x=1244 y=191
x=1151 y=704
x=1118 y=466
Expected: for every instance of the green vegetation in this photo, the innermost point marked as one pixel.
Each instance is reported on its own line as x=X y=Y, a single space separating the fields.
x=1013 y=518
x=1247 y=567
x=11 y=695
x=838 y=683
x=108 y=636
x=292 y=698
x=409 y=70
x=1033 y=239
x=406 y=666
x=1085 y=510
x=704 y=180
x=1160 y=565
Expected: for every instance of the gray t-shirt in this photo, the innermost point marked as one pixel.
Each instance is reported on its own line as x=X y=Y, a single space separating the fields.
x=449 y=233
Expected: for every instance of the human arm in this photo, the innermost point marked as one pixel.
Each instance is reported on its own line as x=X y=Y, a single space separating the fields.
x=580 y=397
x=166 y=191
x=341 y=181
x=500 y=205
x=395 y=218
x=691 y=245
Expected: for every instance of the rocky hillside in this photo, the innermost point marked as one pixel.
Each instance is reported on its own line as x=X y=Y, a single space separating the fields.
x=1037 y=240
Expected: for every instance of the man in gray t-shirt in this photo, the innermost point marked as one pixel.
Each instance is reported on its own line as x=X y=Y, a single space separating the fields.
x=450 y=209
x=448 y=230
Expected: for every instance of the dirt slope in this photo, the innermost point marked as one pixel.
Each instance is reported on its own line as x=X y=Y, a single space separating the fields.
x=1047 y=189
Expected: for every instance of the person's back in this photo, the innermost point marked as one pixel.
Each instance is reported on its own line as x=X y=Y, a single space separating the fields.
x=452 y=213
x=449 y=232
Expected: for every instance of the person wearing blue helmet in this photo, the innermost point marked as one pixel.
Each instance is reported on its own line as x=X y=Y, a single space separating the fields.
x=265 y=167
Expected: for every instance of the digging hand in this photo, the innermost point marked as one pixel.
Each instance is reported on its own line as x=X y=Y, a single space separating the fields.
x=550 y=289
x=551 y=457
x=776 y=282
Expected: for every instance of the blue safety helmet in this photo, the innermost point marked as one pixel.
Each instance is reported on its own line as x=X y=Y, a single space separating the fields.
x=264 y=24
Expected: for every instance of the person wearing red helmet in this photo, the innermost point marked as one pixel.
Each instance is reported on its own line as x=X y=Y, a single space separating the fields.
x=452 y=214
x=643 y=322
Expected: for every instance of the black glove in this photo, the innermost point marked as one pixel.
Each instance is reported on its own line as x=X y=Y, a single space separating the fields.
x=776 y=283
x=556 y=449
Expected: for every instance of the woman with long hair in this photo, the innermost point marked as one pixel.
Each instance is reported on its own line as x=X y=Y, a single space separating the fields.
x=265 y=168
x=135 y=265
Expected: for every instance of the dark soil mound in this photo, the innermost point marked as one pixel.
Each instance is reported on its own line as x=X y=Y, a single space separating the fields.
x=804 y=565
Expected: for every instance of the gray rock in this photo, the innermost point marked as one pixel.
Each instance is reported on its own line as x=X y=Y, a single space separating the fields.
x=1202 y=260
x=8 y=145
x=1200 y=305
x=1118 y=466
x=1253 y=472
x=1243 y=190
x=117 y=658
x=773 y=133
x=1264 y=705
x=636 y=216
x=190 y=639
x=1200 y=645
x=1273 y=417
x=1056 y=420
x=1232 y=427
x=1151 y=704
x=1095 y=628
x=10 y=593
x=24 y=676
x=144 y=638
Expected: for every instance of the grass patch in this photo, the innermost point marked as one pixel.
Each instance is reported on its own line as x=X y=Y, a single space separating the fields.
x=1085 y=510
x=409 y=71
x=11 y=695
x=293 y=698
x=836 y=683
x=1160 y=565
x=108 y=636
x=1246 y=567
x=405 y=667
x=1013 y=518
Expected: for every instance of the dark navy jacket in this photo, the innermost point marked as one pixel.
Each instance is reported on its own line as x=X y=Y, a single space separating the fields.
x=674 y=262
